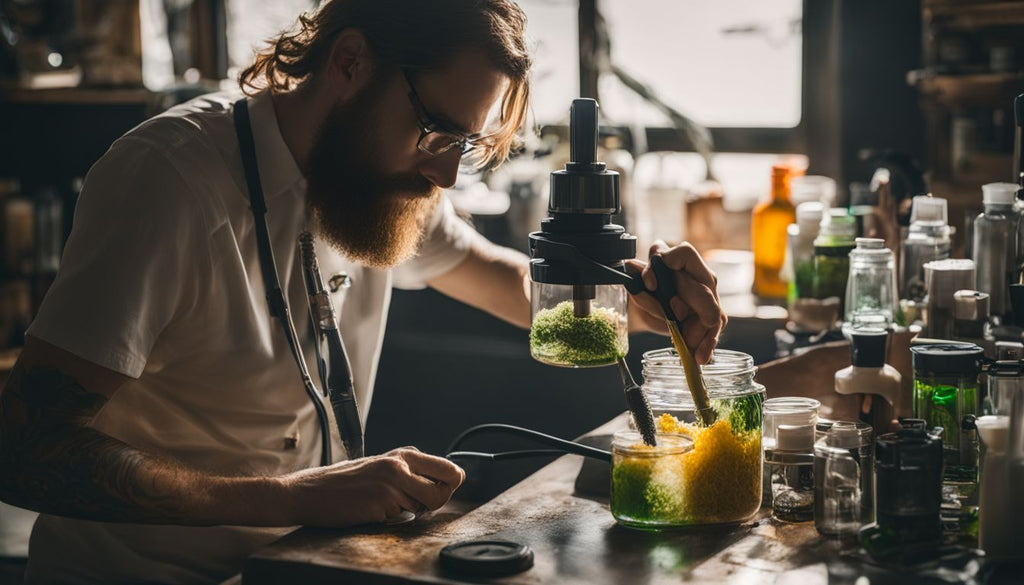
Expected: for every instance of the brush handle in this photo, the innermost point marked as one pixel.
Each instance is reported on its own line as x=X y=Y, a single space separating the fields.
x=694 y=377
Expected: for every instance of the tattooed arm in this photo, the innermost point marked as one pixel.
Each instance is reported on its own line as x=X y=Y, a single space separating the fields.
x=53 y=462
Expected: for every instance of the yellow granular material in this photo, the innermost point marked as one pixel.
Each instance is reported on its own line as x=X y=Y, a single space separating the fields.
x=721 y=475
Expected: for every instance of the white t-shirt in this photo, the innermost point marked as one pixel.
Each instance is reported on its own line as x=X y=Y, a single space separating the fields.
x=160 y=281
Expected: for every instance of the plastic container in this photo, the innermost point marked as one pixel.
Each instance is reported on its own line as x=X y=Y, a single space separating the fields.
x=578 y=332
x=722 y=474
x=995 y=246
x=648 y=483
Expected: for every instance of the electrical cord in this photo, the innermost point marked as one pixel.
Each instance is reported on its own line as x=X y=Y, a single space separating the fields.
x=559 y=445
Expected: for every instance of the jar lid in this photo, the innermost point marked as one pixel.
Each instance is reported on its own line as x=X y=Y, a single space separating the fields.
x=487 y=558
x=926 y=208
x=970 y=305
x=947 y=358
x=999 y=193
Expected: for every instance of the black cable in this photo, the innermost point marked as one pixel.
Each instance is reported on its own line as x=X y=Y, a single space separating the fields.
x=561 y=445
x=505 y=455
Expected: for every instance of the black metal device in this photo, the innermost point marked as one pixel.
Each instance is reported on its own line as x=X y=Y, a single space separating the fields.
x=578 y=244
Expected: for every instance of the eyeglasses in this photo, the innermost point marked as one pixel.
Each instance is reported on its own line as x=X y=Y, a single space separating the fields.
x=436 y=137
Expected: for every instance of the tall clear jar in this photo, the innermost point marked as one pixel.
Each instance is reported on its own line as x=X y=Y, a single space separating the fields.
x=578 y=326
x=722 y=474
x=871 y=288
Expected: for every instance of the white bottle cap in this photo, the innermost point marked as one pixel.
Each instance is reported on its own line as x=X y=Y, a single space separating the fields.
x=795 y=438
x=994 y=431
x=812 y=188
x=808 y=217
x=999 y=193
x=930 y=209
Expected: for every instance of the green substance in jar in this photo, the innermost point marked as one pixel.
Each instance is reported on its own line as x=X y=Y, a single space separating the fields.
x=940 y=405
x=648 y=489
x=560 y=336
x=802 y=286
x=830 y=274
x=743 y=413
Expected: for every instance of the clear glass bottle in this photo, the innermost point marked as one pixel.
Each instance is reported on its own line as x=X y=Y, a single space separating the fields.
x=832 y=250
x=722 y=475
x=995 y=246
x=788 y=436
x=871 y=287
x=575 y=332
x=648 y=483
x=844 y=479
x=928 y=239
x=768 y=236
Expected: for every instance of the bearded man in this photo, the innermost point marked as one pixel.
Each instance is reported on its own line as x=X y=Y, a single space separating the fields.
x=156 y=417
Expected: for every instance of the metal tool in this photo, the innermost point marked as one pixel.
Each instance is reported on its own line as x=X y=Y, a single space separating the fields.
x=332 y=360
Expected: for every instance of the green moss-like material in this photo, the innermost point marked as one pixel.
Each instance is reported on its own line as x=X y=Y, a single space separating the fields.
x=647 y=489
x=560 y=336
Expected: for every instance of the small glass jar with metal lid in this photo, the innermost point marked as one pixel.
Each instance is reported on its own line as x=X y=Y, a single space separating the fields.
x=722 y=479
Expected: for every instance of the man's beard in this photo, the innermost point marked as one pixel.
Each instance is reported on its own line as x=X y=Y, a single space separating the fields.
x=372 y=217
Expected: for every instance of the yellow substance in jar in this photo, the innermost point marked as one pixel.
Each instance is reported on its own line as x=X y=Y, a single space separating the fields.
x=721 y=479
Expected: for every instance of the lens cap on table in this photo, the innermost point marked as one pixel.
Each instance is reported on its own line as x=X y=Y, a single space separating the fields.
x=487 y=558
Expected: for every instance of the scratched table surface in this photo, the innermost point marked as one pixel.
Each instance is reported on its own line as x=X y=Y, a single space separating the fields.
x=575 y=541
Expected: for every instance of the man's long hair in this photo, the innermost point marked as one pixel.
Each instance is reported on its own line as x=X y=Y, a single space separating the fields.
x=414 y=34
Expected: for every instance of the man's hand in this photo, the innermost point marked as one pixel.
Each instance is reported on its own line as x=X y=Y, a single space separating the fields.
x=372 y=489
x=696 y=305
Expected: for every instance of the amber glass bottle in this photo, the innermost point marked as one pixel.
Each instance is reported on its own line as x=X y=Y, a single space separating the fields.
x=768 y=236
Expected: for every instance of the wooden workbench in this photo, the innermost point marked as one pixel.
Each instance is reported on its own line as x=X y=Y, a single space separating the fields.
x=574 y=539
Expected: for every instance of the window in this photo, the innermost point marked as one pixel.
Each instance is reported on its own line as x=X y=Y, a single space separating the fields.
x=723 y=63
x=251 y=22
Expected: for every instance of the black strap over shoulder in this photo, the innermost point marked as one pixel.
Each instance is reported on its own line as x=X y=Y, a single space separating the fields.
x=268 y=267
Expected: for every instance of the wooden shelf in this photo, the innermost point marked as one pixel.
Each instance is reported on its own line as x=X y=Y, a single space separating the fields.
x=74 y=95
x=980 y=90
x=960 y=15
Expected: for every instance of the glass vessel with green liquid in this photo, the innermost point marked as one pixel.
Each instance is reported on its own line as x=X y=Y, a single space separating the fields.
x=945 y=393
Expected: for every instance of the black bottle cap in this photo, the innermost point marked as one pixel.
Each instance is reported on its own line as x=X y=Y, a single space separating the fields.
x=947 y=358
x=868 y=347
x=486 y=558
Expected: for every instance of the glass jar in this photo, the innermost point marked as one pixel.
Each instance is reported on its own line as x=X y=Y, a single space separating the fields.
x=578 y=326
x=945 y=394
x=649 y=483
x=788 y=440
x=871 y=288
x=722 y=474
x=832 y=250
x=844 y=479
